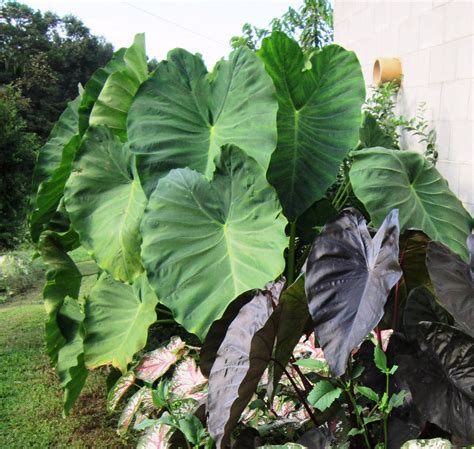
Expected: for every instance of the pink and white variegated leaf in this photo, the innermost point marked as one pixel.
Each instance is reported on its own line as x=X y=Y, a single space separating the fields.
x=187 y=381
x=385 y=334
x=156 y=437
x=119 y=389
x=156 y=363
x=130 y=410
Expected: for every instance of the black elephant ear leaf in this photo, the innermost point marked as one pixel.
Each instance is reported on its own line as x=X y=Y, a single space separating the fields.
x=241 y=360
x=422 y=306
x=453 y=281
x=441 y=379
x=348 y=278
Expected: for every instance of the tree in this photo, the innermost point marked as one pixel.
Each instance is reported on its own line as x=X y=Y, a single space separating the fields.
x=311 y=25
x=46 y=57
x=17 y=158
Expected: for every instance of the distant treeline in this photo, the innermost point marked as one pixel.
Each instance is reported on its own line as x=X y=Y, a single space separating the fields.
x=43 y=58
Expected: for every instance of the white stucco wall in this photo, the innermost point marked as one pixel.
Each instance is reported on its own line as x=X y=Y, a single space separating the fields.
x=435 y=42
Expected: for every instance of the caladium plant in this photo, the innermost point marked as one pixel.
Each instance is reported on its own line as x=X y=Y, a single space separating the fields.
x=213 y=200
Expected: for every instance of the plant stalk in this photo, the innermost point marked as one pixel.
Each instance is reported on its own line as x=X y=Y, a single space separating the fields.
x=290 y=275
x=298 y=392
x=385 y=415
x=360 y=422
x=304 y=380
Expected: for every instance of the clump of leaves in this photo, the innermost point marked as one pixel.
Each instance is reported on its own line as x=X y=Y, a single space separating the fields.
x=202 y=198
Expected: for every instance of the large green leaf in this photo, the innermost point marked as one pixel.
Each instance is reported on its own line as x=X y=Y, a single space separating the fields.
x=117 y=320
x=71 y=369
x=94 y=86
x=182 y=115
x=105 y=203
x=385 y=179
x=206 y=242
x=318 y=118
x=52 y=169
x=112 y=105
x=62 y=279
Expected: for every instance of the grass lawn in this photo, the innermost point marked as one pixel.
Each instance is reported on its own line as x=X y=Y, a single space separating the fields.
x=30 y=398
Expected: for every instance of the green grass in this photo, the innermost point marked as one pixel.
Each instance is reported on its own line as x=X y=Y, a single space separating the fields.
x=30 y=398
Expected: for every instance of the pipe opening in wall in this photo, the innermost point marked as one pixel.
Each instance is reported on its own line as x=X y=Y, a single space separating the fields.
x=387 y=69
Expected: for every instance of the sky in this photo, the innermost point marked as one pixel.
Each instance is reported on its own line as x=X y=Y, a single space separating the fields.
x=198 y=26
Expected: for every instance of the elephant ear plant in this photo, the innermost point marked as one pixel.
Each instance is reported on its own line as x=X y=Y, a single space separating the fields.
x=209 y=201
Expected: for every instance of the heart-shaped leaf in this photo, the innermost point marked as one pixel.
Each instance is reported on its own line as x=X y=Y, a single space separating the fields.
x=182 y=115
x=112 y=104
x=441 y=379
x=421 y=305
x=203 y=241
x=118 y=390
x=105 y=203
x=156 y=363
x=156 y=436
x=187 y=381
x=117 y=320
x=241 y=360
x=385 y=179
x=318 y=118
x=130 y=410
x=453 y=280
x=348 y=278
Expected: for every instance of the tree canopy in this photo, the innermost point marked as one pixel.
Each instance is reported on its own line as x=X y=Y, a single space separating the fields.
x=46 y=56
x=43 y=59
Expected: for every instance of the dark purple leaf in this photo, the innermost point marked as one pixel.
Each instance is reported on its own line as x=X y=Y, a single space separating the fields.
x=422 y=306
x=241 y=360
x=453 y=281
x=217 y=332
x=441 y=378
x=348 y=278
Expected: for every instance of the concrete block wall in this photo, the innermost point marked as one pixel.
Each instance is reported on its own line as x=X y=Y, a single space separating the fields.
x=434 y=39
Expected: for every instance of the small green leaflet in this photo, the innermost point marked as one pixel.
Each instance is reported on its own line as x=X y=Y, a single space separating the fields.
x=317 y=365
x=372 y=418
x=397 y=400
x=368 y=393
x=354 y=432
x=380 y=359
x=358 y=370
x=323 y=395
x=192 y=429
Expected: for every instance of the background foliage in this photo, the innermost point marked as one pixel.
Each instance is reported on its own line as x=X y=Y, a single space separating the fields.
x=43 y=58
